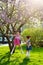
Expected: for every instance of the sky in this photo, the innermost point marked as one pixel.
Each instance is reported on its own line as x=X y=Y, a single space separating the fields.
x=33 y=3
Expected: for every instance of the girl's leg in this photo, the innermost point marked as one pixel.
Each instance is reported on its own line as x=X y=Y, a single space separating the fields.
x=28 y=53
x=21 y=49
x=13 y=50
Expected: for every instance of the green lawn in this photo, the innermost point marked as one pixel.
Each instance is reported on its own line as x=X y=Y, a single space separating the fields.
x=36 y=57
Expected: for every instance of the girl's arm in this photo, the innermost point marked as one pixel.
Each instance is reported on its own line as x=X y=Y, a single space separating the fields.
x=29 y=43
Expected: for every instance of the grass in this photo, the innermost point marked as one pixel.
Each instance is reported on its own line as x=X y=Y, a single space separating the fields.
x=36 y=57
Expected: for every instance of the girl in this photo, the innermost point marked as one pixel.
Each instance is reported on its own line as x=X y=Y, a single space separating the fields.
x=28 y=46
x=17 y=41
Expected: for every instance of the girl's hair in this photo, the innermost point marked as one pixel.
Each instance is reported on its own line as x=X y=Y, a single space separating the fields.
x=19 y=31
x=28 y=37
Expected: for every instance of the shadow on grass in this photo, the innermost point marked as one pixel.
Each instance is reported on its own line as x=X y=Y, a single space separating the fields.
x=4 y=60
x=25 y=61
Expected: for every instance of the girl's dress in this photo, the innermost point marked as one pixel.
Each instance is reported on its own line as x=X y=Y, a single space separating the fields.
x=30 y=47
x=17 y=40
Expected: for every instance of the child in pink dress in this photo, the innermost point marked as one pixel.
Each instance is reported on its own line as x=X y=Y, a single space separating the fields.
x=17 y=42
x=17 y=39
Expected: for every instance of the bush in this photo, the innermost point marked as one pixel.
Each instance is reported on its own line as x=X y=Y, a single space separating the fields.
x=36 y=35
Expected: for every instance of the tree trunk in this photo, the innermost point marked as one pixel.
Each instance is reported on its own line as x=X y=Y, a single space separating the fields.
x=10 y=46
